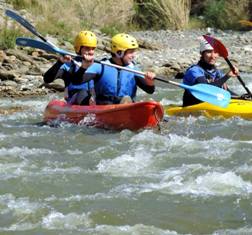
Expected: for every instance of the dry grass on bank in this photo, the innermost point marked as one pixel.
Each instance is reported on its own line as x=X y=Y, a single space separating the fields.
x=163 y=13
x=66 y=17
x=174 y=12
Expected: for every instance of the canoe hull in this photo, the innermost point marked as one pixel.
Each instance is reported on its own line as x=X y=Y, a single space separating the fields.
x=236 y=108
x=116 y=117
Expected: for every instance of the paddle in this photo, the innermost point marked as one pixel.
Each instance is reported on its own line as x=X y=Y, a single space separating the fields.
x=222 y=50
x=26 y=24
x=204 y=92
x=30 y=42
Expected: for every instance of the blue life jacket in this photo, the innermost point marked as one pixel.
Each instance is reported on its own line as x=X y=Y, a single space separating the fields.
x=113 y=81
x=195 y=71
x=72 y=68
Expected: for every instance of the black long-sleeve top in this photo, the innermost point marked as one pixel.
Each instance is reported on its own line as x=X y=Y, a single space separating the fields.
x=56 y=72
x=50 y=74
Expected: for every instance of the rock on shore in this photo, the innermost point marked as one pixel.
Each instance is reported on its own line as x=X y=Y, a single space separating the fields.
x=165 y=52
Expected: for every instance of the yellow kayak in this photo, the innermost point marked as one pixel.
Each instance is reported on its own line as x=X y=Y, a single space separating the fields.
x=236 y=107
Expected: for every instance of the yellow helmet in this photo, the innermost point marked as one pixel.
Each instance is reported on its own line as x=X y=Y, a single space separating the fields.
x=123 y=42
x=84 y=38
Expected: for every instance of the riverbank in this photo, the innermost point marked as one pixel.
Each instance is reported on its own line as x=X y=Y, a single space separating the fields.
x=165 y=52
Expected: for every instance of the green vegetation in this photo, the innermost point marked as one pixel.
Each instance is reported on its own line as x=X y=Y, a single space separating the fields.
x=21 y=4
x=223 y=14
x=8 y=36
x=57 y=28
x=111 y=30
x=113 y=16
x=196 y=23
x=162 y=14
x=215 y=13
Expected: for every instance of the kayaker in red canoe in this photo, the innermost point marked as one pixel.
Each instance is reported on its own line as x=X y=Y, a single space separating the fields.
x=205 y=71
x=76 y=91
x=112 y=85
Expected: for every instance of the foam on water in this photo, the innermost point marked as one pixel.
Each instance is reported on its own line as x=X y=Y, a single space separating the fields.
x=19 y=206
x=18 y=116
x=22 y=134
x=129 y=230
x=38 y=104
x=244 y=169
x=83 y=223
x=31 y=109
x=166 y=101
x=147 y=150
x=74 y=152
x=182 y=146
x=24 y=151
x=27 y=168
x=52 y=171
x=222 y=183
x=16 y=161
x=20 y=227
x=3 y=136
x=71 y=221
x=78 y=198
x=240 y=231
x=26 y=134
x=206 y=185
x=196 y=180
x=13 y=170
x=127 y=165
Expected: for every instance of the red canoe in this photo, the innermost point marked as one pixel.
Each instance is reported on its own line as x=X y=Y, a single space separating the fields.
x=133 y=116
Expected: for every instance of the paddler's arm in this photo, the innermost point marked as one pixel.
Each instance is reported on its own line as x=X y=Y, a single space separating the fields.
x=231 y=73
x=91 y=73
x=146 y=83
x=81 y=74
x=55 y=71
x=50 y=74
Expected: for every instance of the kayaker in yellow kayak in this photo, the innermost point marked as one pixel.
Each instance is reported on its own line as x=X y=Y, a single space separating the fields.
x=112 y=85
x=76 y=91
x=205 y=71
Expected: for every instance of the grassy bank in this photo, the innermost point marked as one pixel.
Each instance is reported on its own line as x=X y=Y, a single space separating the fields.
x=113 y=16
x=72 y=16
x=109 y=16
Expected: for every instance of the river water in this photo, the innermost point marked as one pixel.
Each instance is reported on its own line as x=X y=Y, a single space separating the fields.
x=194 y=176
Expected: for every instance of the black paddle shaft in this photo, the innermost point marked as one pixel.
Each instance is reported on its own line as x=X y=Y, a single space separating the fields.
x=238 y=76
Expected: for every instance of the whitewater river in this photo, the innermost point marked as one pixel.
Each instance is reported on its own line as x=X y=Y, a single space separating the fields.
x=192 y=177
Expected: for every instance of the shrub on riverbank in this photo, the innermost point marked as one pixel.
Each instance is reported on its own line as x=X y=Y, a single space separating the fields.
x=8 y=35
x=71 y=16
x=162 y=14
x=112 y=16
x=222 y=14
